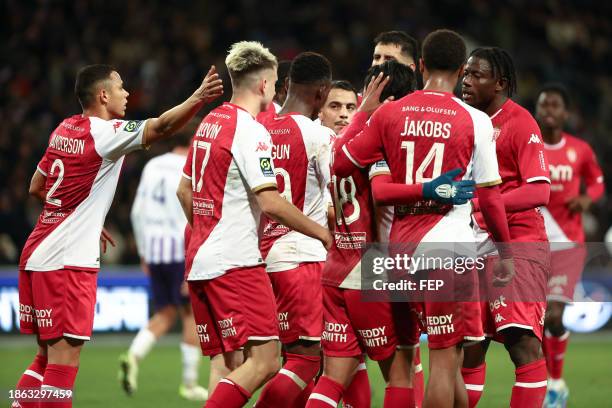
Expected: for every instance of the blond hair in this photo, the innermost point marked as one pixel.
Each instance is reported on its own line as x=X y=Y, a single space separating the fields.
x=247 y=57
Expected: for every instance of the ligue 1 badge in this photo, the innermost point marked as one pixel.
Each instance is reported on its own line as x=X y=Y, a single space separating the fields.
x=571 y=155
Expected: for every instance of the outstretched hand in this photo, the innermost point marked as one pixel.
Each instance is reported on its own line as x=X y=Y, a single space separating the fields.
x=371 y=95
x=448 y=191
x=212 y=86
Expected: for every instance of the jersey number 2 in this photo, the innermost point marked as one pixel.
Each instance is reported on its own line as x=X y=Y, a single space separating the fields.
x=57 y=164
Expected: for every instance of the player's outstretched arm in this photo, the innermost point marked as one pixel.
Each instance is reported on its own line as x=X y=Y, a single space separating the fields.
x=282 y=211
x=442 y=189
x=37 y=186
x=184 y=194
x=525 y=197
x=174 y=119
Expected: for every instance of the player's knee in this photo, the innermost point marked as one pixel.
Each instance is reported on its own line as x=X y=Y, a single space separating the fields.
x=474 y=354
x=523 y=347
x=168 y=312
x=267 y=368
x=553 y=320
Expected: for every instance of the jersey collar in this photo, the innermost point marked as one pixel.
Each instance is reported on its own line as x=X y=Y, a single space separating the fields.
x=556 y=146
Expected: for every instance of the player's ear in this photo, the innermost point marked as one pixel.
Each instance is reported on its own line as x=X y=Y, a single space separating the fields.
x=421 y=66
x=261 y=89
x=501 y=84
x=103 y=95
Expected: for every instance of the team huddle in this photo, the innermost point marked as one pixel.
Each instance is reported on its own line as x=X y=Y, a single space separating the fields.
x=285 y=188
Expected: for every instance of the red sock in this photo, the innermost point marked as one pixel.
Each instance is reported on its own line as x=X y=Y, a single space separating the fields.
x=530 y=387
x=290 y=381
x=358 y=394
x=474 y=379
x=554 y=350
x=398 y=397
x=228 y=394
x=32 y=378
x=300 y=401
x=418 y=382
x=59 y=377
x=326 y=393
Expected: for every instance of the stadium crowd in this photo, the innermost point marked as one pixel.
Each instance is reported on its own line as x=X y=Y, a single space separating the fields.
x=161 y=49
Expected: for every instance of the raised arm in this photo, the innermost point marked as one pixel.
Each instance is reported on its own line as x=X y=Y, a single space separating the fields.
x=171 y=121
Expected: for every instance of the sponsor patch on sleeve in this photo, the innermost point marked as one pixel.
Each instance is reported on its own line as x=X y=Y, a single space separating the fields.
x=266 y=166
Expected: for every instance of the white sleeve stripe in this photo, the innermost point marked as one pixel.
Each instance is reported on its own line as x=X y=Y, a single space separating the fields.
x=538 y=178
x=538 y=384
x=294 y=377
x=345 y=150
x=379 y=173
x=45 y=174
x=323 y=398
x=186 y=176
x=33 y=374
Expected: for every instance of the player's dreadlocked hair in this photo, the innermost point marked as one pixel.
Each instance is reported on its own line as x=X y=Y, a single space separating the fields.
x=557 y=88
x=443 y=50
x=309 y=68
x=501 y=64
x=247 y=57
x=402 y=80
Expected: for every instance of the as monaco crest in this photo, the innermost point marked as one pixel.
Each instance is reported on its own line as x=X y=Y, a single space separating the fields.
x=571 y=155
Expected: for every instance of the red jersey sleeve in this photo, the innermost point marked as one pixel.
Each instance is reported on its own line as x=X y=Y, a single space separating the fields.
x=532 y=162
x=366 y=147
x=593 y=176
x=187 y=168
x=43 y=165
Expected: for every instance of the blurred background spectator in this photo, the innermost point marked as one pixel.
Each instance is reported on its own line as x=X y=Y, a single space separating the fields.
x=163 y=49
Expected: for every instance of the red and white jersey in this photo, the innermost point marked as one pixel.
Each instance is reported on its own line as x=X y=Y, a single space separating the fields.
x=521 y=158
x=229 y=160
x=422 y=136
x=571 y=162
x=356 y=224
x=81 y=165
x=301 y=153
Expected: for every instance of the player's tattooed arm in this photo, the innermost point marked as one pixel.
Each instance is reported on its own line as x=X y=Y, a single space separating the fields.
x=184 y=194
x=37 y=186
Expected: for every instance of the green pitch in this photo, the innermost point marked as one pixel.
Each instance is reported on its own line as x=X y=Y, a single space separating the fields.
x=588 y=373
